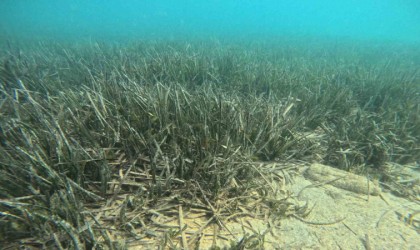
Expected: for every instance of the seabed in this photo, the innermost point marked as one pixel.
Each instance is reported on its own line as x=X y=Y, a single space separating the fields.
x=202 y=145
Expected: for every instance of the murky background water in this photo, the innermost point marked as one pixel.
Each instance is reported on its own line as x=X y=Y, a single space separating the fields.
x=388 y=20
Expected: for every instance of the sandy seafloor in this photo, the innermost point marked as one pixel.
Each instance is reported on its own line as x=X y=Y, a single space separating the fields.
x=383 y=221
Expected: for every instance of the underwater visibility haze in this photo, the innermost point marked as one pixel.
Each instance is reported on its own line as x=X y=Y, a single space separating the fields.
x=110 y=19
x=209 y=124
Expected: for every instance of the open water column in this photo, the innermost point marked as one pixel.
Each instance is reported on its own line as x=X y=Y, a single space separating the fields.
x=384 y=20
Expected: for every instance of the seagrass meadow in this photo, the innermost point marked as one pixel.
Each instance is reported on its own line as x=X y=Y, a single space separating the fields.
x=97 y=139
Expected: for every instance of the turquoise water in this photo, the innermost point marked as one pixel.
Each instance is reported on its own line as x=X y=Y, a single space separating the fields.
x=388 y=20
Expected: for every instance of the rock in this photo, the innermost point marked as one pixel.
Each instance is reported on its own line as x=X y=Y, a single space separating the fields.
x=341 y=179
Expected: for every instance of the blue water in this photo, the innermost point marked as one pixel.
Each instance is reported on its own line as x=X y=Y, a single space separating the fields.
x=389 y=20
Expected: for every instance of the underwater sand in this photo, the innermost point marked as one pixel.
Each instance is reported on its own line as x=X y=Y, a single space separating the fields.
x=354 y=221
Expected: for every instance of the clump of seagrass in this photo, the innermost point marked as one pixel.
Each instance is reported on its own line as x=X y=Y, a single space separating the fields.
x=169 y=143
